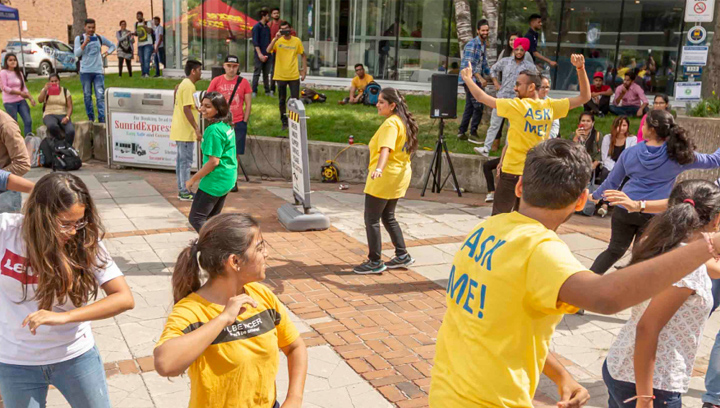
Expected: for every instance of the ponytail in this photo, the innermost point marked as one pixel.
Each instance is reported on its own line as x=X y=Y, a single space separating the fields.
x=679 y=146
x=186 y=275
x=693 y=204
x=391 y=95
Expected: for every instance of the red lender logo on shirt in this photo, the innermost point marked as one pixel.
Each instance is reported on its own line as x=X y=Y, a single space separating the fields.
x=13 y=266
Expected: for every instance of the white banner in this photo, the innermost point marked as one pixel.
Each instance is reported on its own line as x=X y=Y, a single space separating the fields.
x=143 y=139
x=296 y=156
x=694 y=55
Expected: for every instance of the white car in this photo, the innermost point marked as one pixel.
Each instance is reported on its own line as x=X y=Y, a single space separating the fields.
x=42 y=56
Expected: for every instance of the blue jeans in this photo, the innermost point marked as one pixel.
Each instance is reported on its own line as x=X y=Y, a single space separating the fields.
x=619 y=391
x=97 y=81
x=472 y=114
x=80 y=380
x=185 y=152
x=10 y=202
x=145 y=52
x=240 y=135
x=712 y=377
x=630 y=111
x=23 y=109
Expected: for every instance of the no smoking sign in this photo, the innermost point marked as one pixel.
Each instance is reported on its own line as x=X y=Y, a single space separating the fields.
x=699 y=11
x=700 y=8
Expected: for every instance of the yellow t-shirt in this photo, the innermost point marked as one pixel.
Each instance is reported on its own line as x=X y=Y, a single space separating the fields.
x=181 y=129
x=530 y=123
x=396 y=175
x=360 y=84
x=502 y=309
x=286 y=58
x=238 y=370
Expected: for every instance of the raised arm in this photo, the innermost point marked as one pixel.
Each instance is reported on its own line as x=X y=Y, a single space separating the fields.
x=477 y=92
x=705 y=161
x=578 y=60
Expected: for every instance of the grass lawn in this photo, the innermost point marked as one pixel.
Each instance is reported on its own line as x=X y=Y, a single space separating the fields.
x=328 y=121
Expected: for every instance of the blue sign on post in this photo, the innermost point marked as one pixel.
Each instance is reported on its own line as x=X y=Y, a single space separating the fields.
x=692 y=70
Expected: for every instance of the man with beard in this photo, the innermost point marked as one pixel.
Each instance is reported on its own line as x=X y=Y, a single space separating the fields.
x=475 y=54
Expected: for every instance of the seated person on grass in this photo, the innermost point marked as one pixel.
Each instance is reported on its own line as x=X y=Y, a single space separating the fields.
x=630 y=99
x=357 y=87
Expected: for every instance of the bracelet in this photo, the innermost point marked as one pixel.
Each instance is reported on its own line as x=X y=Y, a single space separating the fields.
x=379 y=170
x=711 y=247
x=652 y=397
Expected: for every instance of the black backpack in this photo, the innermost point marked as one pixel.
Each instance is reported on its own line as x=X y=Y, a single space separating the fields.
x=59 y=155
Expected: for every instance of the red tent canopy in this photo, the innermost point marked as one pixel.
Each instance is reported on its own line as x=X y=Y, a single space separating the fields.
x=219 y=19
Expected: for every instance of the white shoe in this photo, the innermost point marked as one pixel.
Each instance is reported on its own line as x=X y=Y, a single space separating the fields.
x=483 y=151
x=490 y=197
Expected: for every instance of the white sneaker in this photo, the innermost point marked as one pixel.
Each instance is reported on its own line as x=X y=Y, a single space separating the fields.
x=483 y=151
x=490 y=197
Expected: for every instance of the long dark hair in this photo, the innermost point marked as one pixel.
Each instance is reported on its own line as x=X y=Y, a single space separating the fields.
x=679 y=146
x=64 y=269
x=693 y=204
x=392 y=95
x=615 y=132
x=18 y=70
x=220 y=237
x=508 y=50
x=221 y=106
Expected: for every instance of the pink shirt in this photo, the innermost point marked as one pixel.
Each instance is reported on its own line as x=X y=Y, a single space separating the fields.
x=225 y=87
x=642 y=123
x=9 y=81
x=635 y=96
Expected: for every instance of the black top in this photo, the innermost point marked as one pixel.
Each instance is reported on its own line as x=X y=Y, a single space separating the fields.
x=533 y=36
x=616 y=152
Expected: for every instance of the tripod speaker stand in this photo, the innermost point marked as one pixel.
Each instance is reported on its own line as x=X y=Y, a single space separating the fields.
x=443 y=105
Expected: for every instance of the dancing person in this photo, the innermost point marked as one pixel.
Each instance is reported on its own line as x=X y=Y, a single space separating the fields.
x=184 y=129
x=88 y=47
x=218 y=174
x=514 y=278
x=475 y=54
x=57 y=110
x=652 y=358
x=226 y=332
x=660 y=102
x=125 y=48
x=54 y=263
x=238 y=93
x=287 y=48
x=530 y=122
x=15 y=92
x=389 y=173
x=652 y=167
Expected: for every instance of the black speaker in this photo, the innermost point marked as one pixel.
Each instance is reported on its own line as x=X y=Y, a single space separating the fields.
x=443 y=100
x=217 y=71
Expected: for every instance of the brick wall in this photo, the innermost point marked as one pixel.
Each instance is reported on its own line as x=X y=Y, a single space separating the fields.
x=50 y=18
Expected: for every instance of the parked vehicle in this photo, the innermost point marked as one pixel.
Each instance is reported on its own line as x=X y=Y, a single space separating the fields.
x=43 y=55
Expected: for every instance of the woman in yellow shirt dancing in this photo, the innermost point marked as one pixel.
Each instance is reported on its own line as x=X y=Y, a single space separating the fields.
x=388 y=179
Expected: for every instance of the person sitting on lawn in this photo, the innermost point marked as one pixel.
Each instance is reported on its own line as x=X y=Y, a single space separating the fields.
x=599 y=105
x=357 y=86
x=630 y=99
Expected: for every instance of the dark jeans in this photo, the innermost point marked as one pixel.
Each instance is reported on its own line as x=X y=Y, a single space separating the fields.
x=472 y=114
x=128 y=62
x=630 y=111
x=377 y=209
x=159 y=58
x=619 y=391
x=145 y=53
x=489 y=170
x=282 y=95
x=272 y=72
x=204 y=207
x=23 y=109
x=603 y=106
x=264 y=69
x=54 y=126
x=240 y=135
x=505 y=199
x=626 y=227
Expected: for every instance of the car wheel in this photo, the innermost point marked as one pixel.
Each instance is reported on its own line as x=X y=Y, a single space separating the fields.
x=45 y=69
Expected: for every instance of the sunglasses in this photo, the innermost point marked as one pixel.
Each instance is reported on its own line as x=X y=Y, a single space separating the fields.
x=77 y=226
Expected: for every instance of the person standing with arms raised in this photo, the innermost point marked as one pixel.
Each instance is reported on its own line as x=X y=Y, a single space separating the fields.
x=530 y=120
x=92 y=73
x=287 y=48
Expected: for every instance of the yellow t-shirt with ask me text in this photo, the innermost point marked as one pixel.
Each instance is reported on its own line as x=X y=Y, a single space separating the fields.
x=239 y=368
x=286 y=58
x=530 y=123
x=396 y=175
x=181 y=130
x=360 y=84
x=502 y=309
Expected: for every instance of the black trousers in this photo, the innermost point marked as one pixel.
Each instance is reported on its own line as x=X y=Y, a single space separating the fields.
x=505 y=199
x=472 y=114
x=377 y=209
x=204 y=207
x=264 y=69
x=603 y=106
x=626 y=228
x=129 y=65
x=282 y=95
x=489 y=170
x=54 y=126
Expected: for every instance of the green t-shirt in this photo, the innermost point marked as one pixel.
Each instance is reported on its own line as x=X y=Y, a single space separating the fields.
x=219 y=141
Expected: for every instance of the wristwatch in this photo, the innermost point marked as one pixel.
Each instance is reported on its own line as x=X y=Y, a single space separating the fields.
x=642 y=205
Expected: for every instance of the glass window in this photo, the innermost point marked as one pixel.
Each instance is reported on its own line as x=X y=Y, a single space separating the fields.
x=225 y=27
x=423 y=39
x=62 y=47
x=372 y=36
x=318 y=27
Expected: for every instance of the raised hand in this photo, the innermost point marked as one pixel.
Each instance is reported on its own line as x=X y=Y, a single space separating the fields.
x=578 y=60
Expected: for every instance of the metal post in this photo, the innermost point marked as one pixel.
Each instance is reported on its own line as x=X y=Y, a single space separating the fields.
x=679 y=54
x=449 y=34
x=559 y=39
x=22 y=50
x=617 y=42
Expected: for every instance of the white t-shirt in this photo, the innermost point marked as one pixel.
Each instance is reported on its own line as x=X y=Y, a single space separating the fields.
x=677 y=343
x=51 y=344
x=159 y=30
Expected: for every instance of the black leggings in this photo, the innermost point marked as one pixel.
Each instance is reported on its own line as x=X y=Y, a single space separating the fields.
x=282 y=95
x=489 y=169
x=204 y=207
x=626 y=227
x=129 y=65
x=377 y=209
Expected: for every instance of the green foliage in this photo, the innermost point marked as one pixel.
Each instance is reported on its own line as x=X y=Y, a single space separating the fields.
x=707 y=108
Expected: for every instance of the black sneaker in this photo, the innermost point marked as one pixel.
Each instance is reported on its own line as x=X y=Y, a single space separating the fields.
x=462 y=136
x=284 y=127
x=369 y=267
x=400 y=262
x=234 y=189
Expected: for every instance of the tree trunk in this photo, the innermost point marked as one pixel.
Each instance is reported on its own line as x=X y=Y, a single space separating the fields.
x=710 y=77
x=543 y=8
x=490 y=12
x=79 y=15
x=463 y=22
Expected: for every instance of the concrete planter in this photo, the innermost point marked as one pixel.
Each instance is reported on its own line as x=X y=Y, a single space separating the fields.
x=705 y=132
x=87 y=135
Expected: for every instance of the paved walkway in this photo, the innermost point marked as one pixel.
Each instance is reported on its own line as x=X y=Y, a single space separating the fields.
x=371 y=338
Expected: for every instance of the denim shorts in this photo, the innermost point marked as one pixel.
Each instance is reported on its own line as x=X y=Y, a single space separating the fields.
x=619 y=391
x=80 y=380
